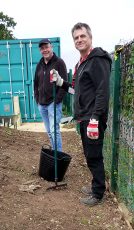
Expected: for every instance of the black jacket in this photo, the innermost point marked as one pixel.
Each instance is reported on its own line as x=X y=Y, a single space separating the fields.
x=43 y=89
x=92 y=86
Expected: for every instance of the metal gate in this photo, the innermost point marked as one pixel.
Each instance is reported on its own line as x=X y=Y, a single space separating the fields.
x=18 y=60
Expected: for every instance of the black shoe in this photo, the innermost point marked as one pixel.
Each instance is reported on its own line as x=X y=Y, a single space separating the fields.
x=90 y=201
x=86 y=191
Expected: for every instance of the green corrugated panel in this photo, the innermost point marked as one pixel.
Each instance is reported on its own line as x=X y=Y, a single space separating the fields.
x=18 y=60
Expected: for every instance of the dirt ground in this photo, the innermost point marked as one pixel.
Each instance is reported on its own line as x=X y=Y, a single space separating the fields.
x=25 y=202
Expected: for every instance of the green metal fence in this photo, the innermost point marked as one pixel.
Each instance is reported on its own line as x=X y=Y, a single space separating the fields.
x=68 y=99
x=119 y=137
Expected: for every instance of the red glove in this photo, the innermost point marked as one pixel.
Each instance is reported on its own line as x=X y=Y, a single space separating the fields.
x=92 y=129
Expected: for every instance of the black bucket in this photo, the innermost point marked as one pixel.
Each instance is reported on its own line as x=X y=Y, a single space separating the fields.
x=47 y=164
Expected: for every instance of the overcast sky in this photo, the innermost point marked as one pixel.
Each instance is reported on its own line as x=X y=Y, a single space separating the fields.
x=110 y=21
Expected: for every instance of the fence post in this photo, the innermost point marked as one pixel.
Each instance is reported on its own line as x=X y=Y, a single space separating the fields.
x=67 y=102
x=116 y=115
x=69 y=96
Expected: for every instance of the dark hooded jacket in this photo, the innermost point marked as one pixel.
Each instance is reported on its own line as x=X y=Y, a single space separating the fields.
x=43 y=89
x=92 y=86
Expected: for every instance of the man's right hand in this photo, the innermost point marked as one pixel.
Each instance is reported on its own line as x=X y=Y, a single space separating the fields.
x=55 y=77
x=92 y=129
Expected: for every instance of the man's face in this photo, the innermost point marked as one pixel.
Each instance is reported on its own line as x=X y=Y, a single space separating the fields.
x=46 y=50
x=82 y=40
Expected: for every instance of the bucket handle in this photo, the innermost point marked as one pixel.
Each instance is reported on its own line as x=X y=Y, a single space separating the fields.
x=46 y=145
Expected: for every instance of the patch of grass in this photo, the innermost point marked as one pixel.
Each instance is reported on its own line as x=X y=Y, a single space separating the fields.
x=84 y=221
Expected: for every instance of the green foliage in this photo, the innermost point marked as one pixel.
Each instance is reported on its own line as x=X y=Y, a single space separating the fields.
x=128 y=99
x=7 y=24
x=128 y=87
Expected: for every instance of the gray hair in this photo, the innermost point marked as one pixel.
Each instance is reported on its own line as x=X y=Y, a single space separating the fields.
x=79 y=25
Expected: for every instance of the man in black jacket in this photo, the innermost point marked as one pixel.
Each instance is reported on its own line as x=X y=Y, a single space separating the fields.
x=43 y=90
x=91 y=87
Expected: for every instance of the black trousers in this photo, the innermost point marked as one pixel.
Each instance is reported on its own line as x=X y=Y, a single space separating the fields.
x=94 y=157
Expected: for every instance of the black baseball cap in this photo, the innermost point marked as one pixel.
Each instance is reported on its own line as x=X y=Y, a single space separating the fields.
x=44 y=41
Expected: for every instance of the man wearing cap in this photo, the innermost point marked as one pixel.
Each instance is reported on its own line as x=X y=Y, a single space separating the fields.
x=43 y=90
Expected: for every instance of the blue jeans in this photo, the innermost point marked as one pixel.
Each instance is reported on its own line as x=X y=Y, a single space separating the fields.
x=47 y=114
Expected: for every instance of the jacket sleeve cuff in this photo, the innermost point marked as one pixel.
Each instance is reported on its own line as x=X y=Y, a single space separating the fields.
x=65 y=85
x=96 y=117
